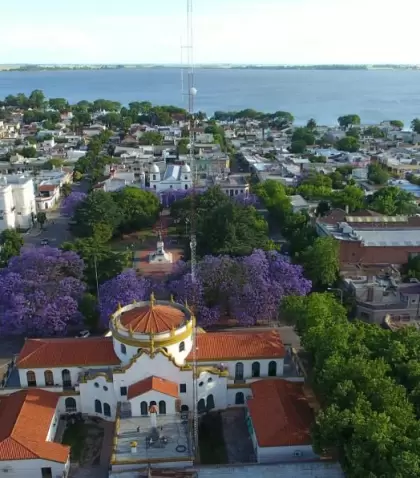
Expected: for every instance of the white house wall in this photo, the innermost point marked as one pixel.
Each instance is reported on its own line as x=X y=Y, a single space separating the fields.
x=231 y=396
x=104 y=392
x=31 y=468
x=152 y=396
x=231 y=366
x=285 y=453
x=61 y=406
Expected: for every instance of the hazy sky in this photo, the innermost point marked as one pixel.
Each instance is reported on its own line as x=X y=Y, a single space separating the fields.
x=225 y=31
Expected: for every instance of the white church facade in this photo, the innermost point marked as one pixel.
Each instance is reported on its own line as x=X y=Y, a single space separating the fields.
x=175 y=177
x=141 y=378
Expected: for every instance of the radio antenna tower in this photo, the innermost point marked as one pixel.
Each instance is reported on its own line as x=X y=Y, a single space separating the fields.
x=191 y=93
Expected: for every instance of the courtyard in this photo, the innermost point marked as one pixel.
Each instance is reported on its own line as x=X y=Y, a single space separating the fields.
x=85 y=437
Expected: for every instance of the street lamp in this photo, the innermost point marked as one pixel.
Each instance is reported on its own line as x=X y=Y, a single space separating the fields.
x=331 y=289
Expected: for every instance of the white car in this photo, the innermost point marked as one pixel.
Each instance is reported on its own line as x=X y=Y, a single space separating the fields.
x=83 y=334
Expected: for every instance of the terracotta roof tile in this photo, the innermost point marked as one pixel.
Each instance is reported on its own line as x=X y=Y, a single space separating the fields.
x=239 y=345
x=288 y=406
x=25 y=419
x=67 y=352
x=152 y=320
x=47 y=187
x=153 y=383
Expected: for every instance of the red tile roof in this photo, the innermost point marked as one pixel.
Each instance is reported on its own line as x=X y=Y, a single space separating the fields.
x=67 y=352
x=25 y=419
x=153 y=383
x=152 y=319
x=239 y=345
x=289 y=411
x=47 y=187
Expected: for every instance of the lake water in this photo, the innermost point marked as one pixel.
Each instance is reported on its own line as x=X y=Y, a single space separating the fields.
x=375 y=95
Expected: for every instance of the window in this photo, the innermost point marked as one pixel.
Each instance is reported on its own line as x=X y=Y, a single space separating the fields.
x=186 y=186
x=201 y=406
x=256 y=369
x=239 y=371
x=65 y=375
x=49 y=378
x=70 y=404
x=184 y=408
x=162 y=407
x=143 y=408
x=123 y=349
x=297 y=453
x=154 y=186
x=200 y=384
x=210 y=380
x=31 y=378
x=105 y=388
x=210 y=402
x=123 y=391
x=182 y=346
x=186 y=178
x=152 y=403
x=272 y=369
x=107 y=410
x=98 y=406
x=239 y=398
x=96 y=384
x=46 y=472
x=182 y=388
x=154 y=177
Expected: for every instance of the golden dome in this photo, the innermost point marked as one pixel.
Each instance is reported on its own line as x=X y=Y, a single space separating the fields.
x=152 y=319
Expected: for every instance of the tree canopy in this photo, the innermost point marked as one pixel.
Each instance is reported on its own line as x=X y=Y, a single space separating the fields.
x=11 y=243
x=392 y=200
x=349 y=120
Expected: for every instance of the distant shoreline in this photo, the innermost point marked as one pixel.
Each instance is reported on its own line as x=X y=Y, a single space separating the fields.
x=83 y=67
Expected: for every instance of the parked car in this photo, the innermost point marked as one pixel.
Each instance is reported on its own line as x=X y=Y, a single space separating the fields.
x=83 y=334
x=45 y=242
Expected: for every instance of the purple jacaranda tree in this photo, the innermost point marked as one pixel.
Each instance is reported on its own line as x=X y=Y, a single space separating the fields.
x=123 y=289
x=70 y=203
x=248 y=199
x=39 y=292
x=248 y=288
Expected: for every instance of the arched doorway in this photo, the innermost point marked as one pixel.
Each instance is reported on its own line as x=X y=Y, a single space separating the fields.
x=239 y=398
x=143 y=408
x=107 y=410
x=70 y=404
x=272 y=369
x=49 y=378
x=98 y=406
x=162 y=407
x=201 y=406
x=239 y=371
x=184 y=408
x=256 y=369
x=210 y=402
x=65 y=375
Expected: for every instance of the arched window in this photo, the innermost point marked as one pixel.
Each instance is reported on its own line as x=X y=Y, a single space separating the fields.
x=123 y=349
x=239 y=398
x=186 y=186
x=239 y=371
x=70 y=404
x=31 y=378
x=143 y=408
x=182 y=346
x=210 y=402
x=65 y=375
x=184 y=408
x=162 y=407
x=98 y=406
x=154 y=177
x=107 y=410
x=152 y=403
x=201 y=406
x=256 y=369
x=272 y=369
x=49 y=378
x=186 y=178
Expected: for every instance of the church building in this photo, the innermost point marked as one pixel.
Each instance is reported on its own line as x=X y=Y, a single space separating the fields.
x=141 y=378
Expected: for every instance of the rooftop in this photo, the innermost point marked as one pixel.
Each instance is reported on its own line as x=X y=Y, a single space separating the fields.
x=25 y=418
x=177 y=443
x=239 y=345
x=67 y=352
x=153 y=319
x=153 y=383
x=287 y=402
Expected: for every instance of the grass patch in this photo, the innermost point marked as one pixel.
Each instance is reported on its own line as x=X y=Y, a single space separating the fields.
x=211 y=441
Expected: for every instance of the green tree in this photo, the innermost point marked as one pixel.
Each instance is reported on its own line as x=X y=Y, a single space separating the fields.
x=151 y=137
x=37 y=99
x=374 y=132
x=11 y=243
x=392 y=200
x=348 y=120
x=59 y=104
x=139 y=209
x=311 y=124
x=321 y=261
x=41 y=217
x=28 y=152
x=415 y=125
x=298 y=147
x=98 y=208
x=182 y=146
x=65 y=189
x=349 y=144
x=397 y=124
x=378 y=174
x=54 y=163
x=354 y=132
x=351 y=198
x=303 y=134
x=88 y=307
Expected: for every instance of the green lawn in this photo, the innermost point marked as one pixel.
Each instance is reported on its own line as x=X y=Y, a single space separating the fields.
x=211 y=441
